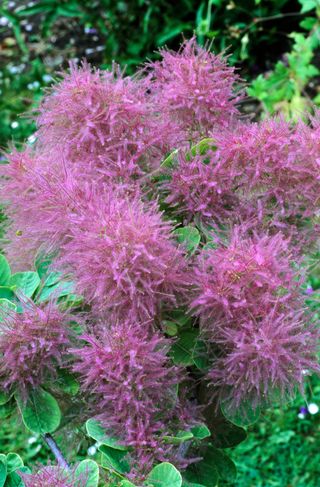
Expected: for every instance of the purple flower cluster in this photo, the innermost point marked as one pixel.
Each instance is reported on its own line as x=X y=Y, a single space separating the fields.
x=195 y=88
x=249 y=303
x=128 y=370
x=33 y=343
x=129 y=250
x=264 y=172
x=51 y=476
x=264 y=360
x=94 y=191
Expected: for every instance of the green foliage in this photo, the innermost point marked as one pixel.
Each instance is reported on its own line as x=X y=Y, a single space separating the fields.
x=189 y=237
x=281 y=448
x=188 y=349
x=9 y=465
x=97 y=432
x=21 y=86
x=114 y=460
x=286 y=88
x=243 y=416
x=40 y=413
x=164 y=475
x=88 y=470
x=25 y=282
x=5 y=271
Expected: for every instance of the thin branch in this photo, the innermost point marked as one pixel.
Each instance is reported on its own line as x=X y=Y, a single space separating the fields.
x=62 y=462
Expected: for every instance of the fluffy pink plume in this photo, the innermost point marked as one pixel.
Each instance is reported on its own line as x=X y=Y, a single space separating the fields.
x=94 y=192
x=33 y=344
x=195 y=88
x=273 y=172
x=246 y=276
x=202 y=185
x=124 y=258
x=51 y=476
x=265 y=360
x=128 y=371
x=105 y=120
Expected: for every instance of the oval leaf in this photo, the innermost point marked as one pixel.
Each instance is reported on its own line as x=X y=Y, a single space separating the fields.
x=200 y=431
x=88 y=471
x=113 y=460
x=25 y=282
x=3 y=470
x=41 y=413
x=6 y=293
x=227 y=435
x=226 y=468
x=189 y=237
x=243 y=415
x=164 y=475
x=97 y=432
x=5 y=271
x=14 y=462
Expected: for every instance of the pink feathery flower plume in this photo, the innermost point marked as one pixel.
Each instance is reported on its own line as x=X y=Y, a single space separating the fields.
x=194 y=87
x=105 y=120
x=33 y=344
x=50 y=476
x=123 y=257
x=275 y=173
x=127 y=369
x=37 y=183
x=265 y=360
x=245 y=277
x=202 y=185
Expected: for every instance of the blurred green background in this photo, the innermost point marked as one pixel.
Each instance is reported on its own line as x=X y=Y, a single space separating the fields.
x=275 y=46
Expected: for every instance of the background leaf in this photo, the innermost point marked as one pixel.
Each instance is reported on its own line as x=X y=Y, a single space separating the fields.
x=41 y=413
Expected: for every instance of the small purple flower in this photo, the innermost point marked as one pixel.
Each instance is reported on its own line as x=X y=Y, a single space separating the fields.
x=303 y=410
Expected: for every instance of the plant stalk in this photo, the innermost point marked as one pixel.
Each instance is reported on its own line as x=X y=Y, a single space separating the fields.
x=62 y=462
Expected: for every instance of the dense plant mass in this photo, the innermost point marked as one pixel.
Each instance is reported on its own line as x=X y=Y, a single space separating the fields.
x=165 y=238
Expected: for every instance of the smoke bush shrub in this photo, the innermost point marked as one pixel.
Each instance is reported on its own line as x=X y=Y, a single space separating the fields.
x=183 y=228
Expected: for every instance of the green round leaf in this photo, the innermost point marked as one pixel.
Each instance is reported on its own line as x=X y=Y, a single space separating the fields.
x=25 y=282
x=97 y=432
x=200 y=431
x=3 y=469
x=243 y=415
x=227 y=435
x=5 y=271
x=164 y=475
x=67 y=382
x=113 y=460
x=14 y=462
x=41 y=413
x=204 y=472
x=180 y=437
x=88 y=471
x=6 y=293
x=186 y=350
x=14 y=480
x=226 y=469
x=189 y=237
